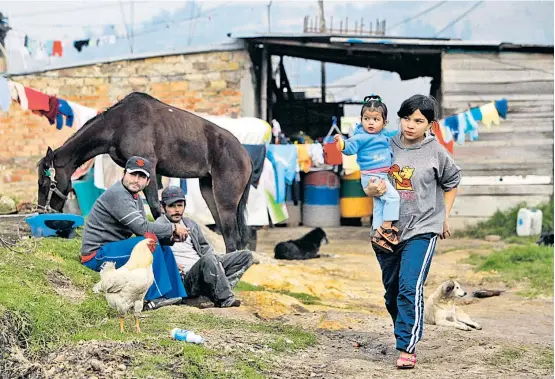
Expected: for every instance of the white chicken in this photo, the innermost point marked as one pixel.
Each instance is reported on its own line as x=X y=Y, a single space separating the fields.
x=125 y=288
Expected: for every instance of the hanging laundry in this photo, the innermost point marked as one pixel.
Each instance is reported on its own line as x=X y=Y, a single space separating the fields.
x=257 y=154
x=276 y=130
x=286 y=154
x=278 y=212
x=350 y=164
x=489 y=114
x=439 y=132
x=461 y=132
x=32 y=46
x=316 y=152
x=279 y=176
x=452 y=124
x=17 y=92
x=502 y=107
x=37 y=101
x=80 y=44
x=48 y=47
x=471 y=126
x=64 y=110
x=303 y=158
x=50 y=114
x=5 y=98
x=476 y=114
x=57 y=49
x=81 y=114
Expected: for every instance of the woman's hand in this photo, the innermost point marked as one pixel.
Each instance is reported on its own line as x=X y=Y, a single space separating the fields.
x=375 y=188
x=446 y=231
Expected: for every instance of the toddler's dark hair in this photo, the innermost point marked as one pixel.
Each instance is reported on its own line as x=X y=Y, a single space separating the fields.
x=427 y=105
x=373 y=103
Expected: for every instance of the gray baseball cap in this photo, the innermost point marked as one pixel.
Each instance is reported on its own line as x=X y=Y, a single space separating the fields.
x=172 y=194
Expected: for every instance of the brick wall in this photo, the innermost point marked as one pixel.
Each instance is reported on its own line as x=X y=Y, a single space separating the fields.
x=208 y=82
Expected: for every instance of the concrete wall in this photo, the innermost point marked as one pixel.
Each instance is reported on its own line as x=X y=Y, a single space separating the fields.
x=216 y=82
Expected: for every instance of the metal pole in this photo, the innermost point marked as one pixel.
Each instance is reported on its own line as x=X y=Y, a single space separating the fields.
x=269 y=18
x=322 y=64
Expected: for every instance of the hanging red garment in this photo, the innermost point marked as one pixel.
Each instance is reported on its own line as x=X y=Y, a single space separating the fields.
x=37 y=101
x=52 y=111
x=450 y=146
x=57 y=49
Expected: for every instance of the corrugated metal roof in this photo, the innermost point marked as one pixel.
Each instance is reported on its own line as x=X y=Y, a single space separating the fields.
x=235 y=45
x=401 y=42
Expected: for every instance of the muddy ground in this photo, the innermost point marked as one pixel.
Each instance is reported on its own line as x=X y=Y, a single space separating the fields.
x=354 y=332
x=516 y=339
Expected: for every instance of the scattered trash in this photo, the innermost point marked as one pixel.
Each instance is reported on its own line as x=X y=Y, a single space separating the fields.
x=186 y=335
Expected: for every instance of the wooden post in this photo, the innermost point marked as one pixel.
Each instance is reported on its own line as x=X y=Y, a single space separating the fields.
x=264 y=87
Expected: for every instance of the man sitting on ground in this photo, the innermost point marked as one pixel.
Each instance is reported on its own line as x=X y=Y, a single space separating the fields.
x=204 y=272
x=118 y=214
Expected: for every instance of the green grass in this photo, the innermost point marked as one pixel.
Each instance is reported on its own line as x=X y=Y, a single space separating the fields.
x=537 y=358
x=304 y=298
x=529 y=263
x=48 y=321
x=504 y=223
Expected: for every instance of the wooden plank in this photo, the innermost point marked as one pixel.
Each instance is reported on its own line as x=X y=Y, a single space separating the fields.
x=543 y=170
x=496 y=164
x=505 y=190
x=486 y=88
x=476 y=98
x=505 y=180
x=503 y=61
x=541 y=154
x=451 y=76
x=510 y=128
x=485 y=206
x=512 y=142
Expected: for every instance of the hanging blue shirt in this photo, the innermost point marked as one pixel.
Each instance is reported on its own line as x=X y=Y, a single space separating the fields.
x=64 y=110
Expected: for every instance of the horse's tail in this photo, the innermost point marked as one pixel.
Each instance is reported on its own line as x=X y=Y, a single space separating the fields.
x=244 y=230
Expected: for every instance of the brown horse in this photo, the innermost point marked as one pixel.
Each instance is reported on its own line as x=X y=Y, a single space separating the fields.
x=178 y=143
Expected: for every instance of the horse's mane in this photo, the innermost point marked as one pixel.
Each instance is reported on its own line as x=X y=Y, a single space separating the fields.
x=92 y=121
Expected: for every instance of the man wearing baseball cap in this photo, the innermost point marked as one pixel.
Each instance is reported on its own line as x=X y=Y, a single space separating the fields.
x=117 y=215
x=204 y=273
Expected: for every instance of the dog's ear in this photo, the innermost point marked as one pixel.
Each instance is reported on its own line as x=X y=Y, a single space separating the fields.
x=449 y=287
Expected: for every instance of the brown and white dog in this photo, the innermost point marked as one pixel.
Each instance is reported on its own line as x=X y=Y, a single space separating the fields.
x=440 y=308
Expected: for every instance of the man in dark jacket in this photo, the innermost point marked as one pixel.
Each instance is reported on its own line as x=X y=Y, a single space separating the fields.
x=204 y=272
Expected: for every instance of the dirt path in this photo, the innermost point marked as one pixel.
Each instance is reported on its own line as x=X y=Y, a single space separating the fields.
x=516 y=340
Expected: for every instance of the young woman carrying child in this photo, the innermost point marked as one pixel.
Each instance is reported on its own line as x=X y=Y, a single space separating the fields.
x=426 y=177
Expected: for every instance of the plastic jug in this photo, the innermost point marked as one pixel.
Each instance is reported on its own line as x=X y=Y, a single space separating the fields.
x=523 y=222
x=529 y=222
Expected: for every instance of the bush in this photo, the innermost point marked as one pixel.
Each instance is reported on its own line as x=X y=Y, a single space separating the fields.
x=504 y=223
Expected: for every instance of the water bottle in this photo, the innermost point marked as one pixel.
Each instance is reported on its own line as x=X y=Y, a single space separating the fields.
x=186 y=335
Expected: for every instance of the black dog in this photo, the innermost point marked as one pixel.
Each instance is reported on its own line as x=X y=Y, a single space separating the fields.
x=306 y=247
x=546 y=239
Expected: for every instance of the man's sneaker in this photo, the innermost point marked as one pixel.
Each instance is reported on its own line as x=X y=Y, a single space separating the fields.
x=160 y=302
x=201 y=302
x=231 y=302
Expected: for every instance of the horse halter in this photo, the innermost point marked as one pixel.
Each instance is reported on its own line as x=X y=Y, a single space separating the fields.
x=51 y=173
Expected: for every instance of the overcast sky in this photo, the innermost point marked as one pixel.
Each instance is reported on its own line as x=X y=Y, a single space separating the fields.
x=163 y=25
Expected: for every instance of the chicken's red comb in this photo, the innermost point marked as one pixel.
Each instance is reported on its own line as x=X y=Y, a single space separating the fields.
x=152 y=244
